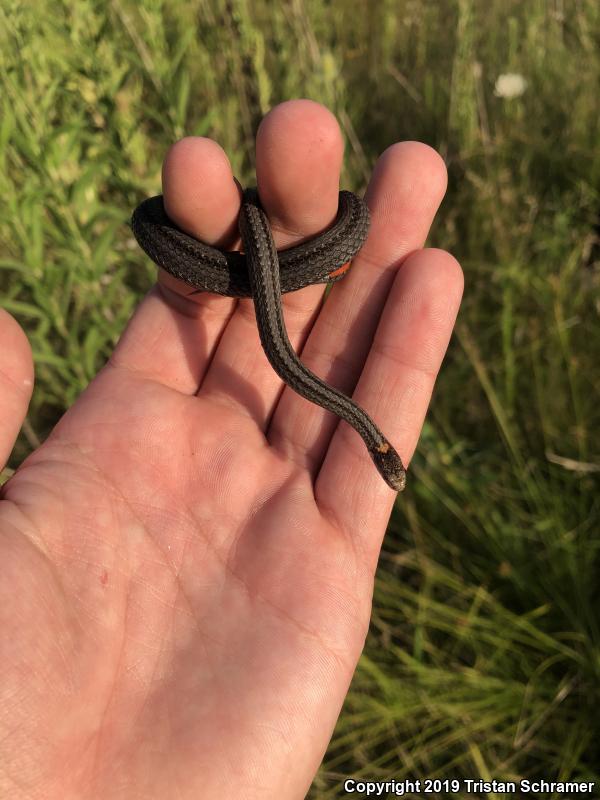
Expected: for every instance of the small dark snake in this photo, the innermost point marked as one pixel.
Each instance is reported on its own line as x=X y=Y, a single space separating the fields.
x=264 y=274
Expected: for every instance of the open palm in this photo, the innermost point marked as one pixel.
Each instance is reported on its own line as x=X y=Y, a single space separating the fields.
x=187 y=561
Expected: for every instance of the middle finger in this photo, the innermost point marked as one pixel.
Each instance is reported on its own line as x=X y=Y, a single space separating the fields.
x=299 y=150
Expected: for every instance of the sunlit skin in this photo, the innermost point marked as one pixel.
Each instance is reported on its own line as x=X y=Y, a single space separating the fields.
x=187 y=562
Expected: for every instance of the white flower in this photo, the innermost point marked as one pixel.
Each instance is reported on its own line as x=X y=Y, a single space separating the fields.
x=510 y=85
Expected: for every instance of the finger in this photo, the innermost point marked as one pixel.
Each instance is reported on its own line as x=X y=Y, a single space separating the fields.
x=406 y=188
x=395 y=387
x=172 y=335
x=299 y=151
x=16 y=382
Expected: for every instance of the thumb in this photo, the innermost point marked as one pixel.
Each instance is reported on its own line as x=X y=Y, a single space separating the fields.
x=16 y=382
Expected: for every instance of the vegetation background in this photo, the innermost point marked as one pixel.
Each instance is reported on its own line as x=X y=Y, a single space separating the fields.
x=483 y=659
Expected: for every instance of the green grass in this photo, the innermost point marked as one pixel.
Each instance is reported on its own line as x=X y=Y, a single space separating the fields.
x=483 y=659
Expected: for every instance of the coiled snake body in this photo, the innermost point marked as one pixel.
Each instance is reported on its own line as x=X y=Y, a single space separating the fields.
x=263 y=273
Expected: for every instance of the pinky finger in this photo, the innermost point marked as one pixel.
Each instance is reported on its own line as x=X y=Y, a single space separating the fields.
x=394 y=389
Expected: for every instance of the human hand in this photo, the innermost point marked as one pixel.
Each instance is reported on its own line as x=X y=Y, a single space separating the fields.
x=188 y=560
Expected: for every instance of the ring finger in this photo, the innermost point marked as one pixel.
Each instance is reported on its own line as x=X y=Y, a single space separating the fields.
x=405 y=191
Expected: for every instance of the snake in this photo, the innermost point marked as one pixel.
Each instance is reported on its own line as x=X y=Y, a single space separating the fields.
x=264 y=273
